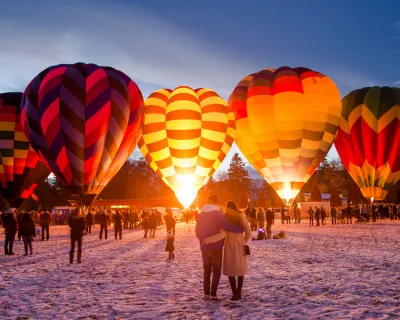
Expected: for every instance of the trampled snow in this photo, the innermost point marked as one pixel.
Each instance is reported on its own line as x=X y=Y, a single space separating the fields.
x=327 y=272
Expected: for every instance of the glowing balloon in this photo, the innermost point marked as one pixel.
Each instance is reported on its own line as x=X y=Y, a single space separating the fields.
x=84 y=122
x=286 y=120
x=186 y=135
x=20 y=168
x=368 y=141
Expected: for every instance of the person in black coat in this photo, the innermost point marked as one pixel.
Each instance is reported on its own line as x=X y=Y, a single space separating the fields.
x=170 y=222
x=89 y=221
x=270 y=215
x=317 y=215
x=145 y=223
x=103 y=220
x=323 y=215
x=153 y=224
x=11 y=227
x=27 y=231
x=45 y=221
x=118 y=225
x=77 y=225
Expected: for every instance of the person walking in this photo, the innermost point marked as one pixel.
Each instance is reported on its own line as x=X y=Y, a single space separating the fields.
x=170 y=245
x=27 y=231
x=333 y=215
x=45 y=221
x=311 y=216
x=89 y=221
x=170 y=222
x=104 y=221
x=209 y=223
x=152 y=224
x=234 y=259
x=118 y=224
x=77 y=225
x=10 y=227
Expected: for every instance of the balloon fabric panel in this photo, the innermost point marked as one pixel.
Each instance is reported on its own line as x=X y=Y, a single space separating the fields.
x=186 y=135
x=20 y=168
x=84 y=122
x=368 y=140
x=286 y=121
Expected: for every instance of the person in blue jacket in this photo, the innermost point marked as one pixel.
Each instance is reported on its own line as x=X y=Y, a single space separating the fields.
x=210 y=221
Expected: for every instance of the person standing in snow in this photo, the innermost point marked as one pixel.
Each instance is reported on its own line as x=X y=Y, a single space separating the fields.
x=152 y=224
x=145 y=223
x=103 y=220
x=311 y=216
x=323 y=215
x=209 y=223
x=27 y=231
x=317 y=215
x=118 y=225
x=270 y=215
x=10 y=227
x=260 y=218
x=170 y=222
x=89 y=221
x=170 y=245
x=45 y=221
x=235 y=258
x=333 y=215
x=77 y=225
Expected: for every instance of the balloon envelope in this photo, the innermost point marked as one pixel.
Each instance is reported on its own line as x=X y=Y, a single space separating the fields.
x=83 y=120
x=368 y=141
x=286 y=120
x=186 y=135
x=20 y=168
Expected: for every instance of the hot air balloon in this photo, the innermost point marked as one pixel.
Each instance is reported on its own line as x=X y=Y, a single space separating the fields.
x=286 y=120
x=83 y=120
x=186 y=135
x=368 y=141
x=20 y=168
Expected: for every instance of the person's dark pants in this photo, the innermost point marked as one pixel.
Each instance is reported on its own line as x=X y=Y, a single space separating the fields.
x=89 y=228
x=27 y=243
x=311 y=221
x=212 y=262
x=350 y=219
x=317 y=222
x=131 y=225
x=374 y=218
x=232 y=281
x=145 y=233
x=333 y=220
x=101 y=232
x=269 y=228
x=118 y=231
x=19 y=234
x=73 y=240
x=8 y=244
x=171 y=229
x=322 y=221
x=45 y=228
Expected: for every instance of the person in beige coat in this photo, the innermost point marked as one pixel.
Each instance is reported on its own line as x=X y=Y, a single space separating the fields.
x=235 y=259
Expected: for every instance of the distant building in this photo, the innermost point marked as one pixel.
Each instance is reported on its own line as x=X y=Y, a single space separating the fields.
x=325 y=197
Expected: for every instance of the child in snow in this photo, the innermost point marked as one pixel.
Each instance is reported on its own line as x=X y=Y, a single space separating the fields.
x=170 y=245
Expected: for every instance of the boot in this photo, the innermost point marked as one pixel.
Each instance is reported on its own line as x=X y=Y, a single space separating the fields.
x=79 y=256
x=239 y=294
x=71 y=257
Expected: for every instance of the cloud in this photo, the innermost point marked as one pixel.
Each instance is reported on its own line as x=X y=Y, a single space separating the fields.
x=397 y=83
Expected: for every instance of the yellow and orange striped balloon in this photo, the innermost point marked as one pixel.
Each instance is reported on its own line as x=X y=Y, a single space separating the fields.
x=186 y=135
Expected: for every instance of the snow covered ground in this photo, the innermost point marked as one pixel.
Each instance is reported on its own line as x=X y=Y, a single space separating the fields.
x=330 y=272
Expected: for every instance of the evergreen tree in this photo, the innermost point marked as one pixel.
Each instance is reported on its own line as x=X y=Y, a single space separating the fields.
x=238 y=179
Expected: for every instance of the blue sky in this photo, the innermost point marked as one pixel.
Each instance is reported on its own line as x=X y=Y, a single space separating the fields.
x=203 y=43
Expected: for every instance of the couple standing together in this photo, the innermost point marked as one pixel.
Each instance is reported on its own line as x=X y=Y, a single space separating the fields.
x=214 y=229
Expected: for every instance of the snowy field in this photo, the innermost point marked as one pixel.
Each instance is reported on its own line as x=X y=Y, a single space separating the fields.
x=330 y=272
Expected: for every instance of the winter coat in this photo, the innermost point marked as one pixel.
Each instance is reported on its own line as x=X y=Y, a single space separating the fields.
x=311 y=213
x=27 y=227
x=10 y=223
x=118 y=221
x=45 y=219
x=270 y=216
x=103 y=220
x=77 y=225
x=89 y=219
x=323 y=213
x=234 y=262
x=170 y=244
x=333 y=212
x=145 y=221
x=209 y=223
x=260 y=215
x=170 y=222
x=153 y=221
x=317 y=214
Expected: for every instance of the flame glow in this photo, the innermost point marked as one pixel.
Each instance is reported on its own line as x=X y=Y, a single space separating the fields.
x=287 y=193
x=186 y=191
